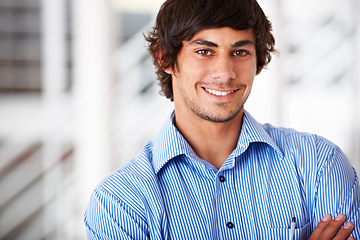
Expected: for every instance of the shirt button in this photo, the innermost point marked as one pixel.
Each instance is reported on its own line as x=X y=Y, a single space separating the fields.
x=222 y=179
x=230 y=225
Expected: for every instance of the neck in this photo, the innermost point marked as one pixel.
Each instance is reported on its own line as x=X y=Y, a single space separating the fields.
x=211 y=141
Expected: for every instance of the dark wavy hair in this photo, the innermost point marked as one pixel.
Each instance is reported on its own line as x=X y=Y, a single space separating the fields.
x=180 y=20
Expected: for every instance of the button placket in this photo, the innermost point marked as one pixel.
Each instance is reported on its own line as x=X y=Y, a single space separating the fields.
x=227 y=218
x=230 y=225
x=222 y=178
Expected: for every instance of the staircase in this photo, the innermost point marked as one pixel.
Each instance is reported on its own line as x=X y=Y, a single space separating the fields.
x=36 y=168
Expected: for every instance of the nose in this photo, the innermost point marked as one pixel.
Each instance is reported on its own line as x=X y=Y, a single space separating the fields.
x=223 y=69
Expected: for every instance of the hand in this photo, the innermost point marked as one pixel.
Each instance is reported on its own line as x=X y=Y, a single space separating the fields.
x=329 y=228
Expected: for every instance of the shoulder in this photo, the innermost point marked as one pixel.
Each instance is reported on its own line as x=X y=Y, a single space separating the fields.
x=126 y=202
x=295 y=142
x=314 y=156
x=134 y=184
x=311 y=154
x=290 y=142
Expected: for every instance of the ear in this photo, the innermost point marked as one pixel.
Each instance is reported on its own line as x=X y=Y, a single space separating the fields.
x=159 y=55
x=258 y=70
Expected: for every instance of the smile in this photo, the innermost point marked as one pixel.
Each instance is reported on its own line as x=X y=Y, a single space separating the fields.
x=218 y=93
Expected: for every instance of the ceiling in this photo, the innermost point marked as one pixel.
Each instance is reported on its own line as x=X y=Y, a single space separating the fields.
x=137 y=5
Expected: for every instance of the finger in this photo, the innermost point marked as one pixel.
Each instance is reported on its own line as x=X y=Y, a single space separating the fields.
x=334 y=227
x=345 y=231
x=320 y=227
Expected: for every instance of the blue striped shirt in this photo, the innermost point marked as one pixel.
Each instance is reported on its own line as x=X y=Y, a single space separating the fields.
x=273 y=175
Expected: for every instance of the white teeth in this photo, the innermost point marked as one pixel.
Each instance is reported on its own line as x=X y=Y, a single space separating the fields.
x=218 y=93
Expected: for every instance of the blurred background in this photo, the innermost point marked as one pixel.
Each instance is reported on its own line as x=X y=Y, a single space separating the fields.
x=78 y=96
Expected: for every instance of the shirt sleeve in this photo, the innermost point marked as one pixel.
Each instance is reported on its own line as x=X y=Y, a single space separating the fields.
x=107 y=217
x=338 y=190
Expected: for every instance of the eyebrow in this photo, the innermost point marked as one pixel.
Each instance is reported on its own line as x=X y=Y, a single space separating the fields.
x=202 y=42
x=243 y=43
x=207 y=43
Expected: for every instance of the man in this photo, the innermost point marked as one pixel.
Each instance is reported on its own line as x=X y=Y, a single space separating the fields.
x=213 y=172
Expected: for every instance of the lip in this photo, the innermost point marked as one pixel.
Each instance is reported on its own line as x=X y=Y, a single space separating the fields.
x=218 y=93
x=223 y=93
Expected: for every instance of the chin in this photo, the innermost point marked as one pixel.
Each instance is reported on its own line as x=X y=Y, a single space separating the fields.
x=219 y=118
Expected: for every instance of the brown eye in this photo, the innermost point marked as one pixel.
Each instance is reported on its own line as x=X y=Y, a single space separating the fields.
x=241 y=53
x=204 y=52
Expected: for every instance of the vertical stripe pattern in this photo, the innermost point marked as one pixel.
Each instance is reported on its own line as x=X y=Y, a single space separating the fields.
x=273 y=175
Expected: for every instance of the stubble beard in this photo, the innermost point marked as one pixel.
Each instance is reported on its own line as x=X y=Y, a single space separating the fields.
x=213 y=116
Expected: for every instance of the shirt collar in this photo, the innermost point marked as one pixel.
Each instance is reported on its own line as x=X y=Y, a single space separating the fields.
x=252 y=132
x=169 y=143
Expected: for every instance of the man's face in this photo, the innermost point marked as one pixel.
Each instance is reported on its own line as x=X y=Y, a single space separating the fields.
x=214 y=74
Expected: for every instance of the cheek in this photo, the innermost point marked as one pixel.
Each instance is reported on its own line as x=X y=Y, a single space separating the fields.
x=195 y=72
x=246 y=75
x=249 y=68
x=201 y=70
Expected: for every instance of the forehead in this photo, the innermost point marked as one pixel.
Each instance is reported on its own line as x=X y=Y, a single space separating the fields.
x=223 y=36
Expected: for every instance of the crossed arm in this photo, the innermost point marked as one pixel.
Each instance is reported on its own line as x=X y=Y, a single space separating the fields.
x=326 y=229
x=114 y=220
x=337 y=179
x=329 y=228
